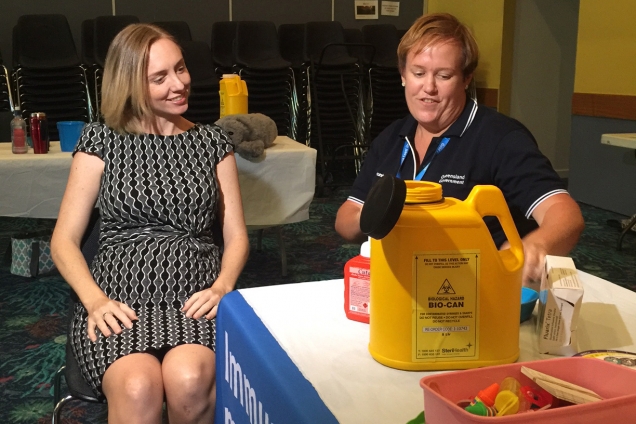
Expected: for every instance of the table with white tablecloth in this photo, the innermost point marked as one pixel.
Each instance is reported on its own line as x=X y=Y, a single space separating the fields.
x=276 y=188
x=32 y=185
x=289 y=352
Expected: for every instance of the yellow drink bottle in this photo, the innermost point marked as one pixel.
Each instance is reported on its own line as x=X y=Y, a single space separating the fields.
x=443 y=295
x=232 y=95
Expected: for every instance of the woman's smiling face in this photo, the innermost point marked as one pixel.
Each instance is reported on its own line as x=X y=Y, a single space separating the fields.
x=434 y=85
x=168 y=79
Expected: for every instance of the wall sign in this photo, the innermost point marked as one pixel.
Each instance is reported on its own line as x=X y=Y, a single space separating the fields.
x=390 y=8
x=366 y=9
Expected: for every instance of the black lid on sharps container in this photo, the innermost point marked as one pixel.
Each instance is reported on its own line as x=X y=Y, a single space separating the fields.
x=383 y=206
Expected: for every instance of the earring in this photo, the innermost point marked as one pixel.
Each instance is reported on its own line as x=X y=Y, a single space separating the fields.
x=403 y=84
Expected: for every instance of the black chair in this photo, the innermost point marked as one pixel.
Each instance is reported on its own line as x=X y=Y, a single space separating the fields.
x=88 y=42
x=87 y=56
x=77 y=386
x=203 y=103
x=6 y=95
x=337 y=99
x=48 y=74
x=385 y=39
x=223 y=35
x=291 y=39
x=105 y=28
x=180 y=30
x=268 y=76
x=386 y=94
x=6 y=103
x=354 y=41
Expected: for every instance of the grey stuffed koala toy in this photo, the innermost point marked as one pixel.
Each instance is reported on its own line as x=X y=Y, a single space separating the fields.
x=251 y=133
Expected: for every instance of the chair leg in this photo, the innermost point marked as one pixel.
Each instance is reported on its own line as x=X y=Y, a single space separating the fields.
x=259 y=239
x=57 y=381
x=283 y=254
x=57 y=412
x=625 y=230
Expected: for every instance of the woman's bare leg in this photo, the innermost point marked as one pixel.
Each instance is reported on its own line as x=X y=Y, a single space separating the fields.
x=189 y=382
x=133 y=386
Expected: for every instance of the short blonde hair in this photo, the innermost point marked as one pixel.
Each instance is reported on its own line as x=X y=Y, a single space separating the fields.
x=125 y=105
x=438 y=28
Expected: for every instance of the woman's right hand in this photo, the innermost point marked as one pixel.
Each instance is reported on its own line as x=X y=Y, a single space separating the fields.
x=108 y=315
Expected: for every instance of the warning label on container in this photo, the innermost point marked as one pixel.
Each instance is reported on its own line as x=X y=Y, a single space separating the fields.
x=445 y=301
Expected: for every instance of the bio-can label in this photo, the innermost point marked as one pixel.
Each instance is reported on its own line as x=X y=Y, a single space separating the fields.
x=446 y=304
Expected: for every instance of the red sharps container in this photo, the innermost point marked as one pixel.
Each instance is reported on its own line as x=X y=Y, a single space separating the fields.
x=39 y=132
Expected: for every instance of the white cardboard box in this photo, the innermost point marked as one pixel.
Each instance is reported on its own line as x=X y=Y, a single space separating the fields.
x=560 y=301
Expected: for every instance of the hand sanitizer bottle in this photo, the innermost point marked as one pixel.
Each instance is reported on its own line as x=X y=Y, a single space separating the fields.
x=357 y=287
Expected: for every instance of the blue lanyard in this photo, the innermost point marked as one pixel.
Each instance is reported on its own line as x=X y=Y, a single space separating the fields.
x=405 y=151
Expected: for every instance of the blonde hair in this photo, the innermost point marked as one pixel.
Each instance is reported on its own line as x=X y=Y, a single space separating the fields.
x=438 y=28
x=124 y=104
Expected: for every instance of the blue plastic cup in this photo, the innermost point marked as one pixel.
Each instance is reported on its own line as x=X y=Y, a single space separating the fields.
x=69 y=134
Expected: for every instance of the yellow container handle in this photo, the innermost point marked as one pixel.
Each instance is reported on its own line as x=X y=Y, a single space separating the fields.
x=488 y=200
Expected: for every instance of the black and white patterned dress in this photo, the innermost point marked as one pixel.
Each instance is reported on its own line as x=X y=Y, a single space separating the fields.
x=157 y=200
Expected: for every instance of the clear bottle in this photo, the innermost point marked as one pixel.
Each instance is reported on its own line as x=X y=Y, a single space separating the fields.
x=18 y=133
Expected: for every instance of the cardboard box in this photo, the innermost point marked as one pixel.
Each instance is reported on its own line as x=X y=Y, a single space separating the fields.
x=560 y=301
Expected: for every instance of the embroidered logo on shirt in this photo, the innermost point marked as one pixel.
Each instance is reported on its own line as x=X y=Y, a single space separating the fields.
x=452 y=179
x=379 y=175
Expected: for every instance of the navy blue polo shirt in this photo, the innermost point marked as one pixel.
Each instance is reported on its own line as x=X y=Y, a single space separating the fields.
x=485 y=147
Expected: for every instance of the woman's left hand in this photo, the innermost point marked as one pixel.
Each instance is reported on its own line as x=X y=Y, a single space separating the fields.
x=204 y=303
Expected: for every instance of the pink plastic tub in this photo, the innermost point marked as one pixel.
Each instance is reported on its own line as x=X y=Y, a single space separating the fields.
x=616 y=384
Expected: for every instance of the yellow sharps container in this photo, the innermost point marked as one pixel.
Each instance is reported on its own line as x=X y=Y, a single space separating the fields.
x=232 y=95
x=443 y=296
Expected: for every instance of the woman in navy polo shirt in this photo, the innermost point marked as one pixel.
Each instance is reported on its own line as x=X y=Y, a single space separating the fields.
x=448 y=138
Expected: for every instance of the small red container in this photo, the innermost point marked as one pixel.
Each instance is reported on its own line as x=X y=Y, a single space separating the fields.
x=357 y=286
x=39 y=132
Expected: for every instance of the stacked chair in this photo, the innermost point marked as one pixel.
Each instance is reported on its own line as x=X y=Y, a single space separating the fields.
x=105 y=28
x=364 y=53
x=337 y=96
x=268 y=76
x=386 y=101
x=6 y=96
x=47 y=72
x=355 y=47
x=180 y=30
x=88 y=60
x=203 y=102
x=6 y=103
x=291 y=38
x=223 y=35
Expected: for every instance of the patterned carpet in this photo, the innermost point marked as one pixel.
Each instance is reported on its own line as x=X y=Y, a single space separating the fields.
x=33 y=311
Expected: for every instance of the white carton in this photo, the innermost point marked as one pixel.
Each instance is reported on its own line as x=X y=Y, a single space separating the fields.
x=560 y=301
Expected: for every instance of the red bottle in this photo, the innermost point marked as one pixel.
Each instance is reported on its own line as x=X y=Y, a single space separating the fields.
x=356 y=285
x=39 y=132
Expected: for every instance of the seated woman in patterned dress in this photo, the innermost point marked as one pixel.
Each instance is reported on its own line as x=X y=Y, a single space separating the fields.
x=145 y=328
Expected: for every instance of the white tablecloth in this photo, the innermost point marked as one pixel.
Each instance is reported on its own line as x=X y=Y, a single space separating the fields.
x=276 y=188
x=32 y=185
x=309 y=323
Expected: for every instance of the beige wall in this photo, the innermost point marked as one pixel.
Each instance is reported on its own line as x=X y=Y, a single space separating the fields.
x=486 y=21
x=527 y=56
x=606 y=48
